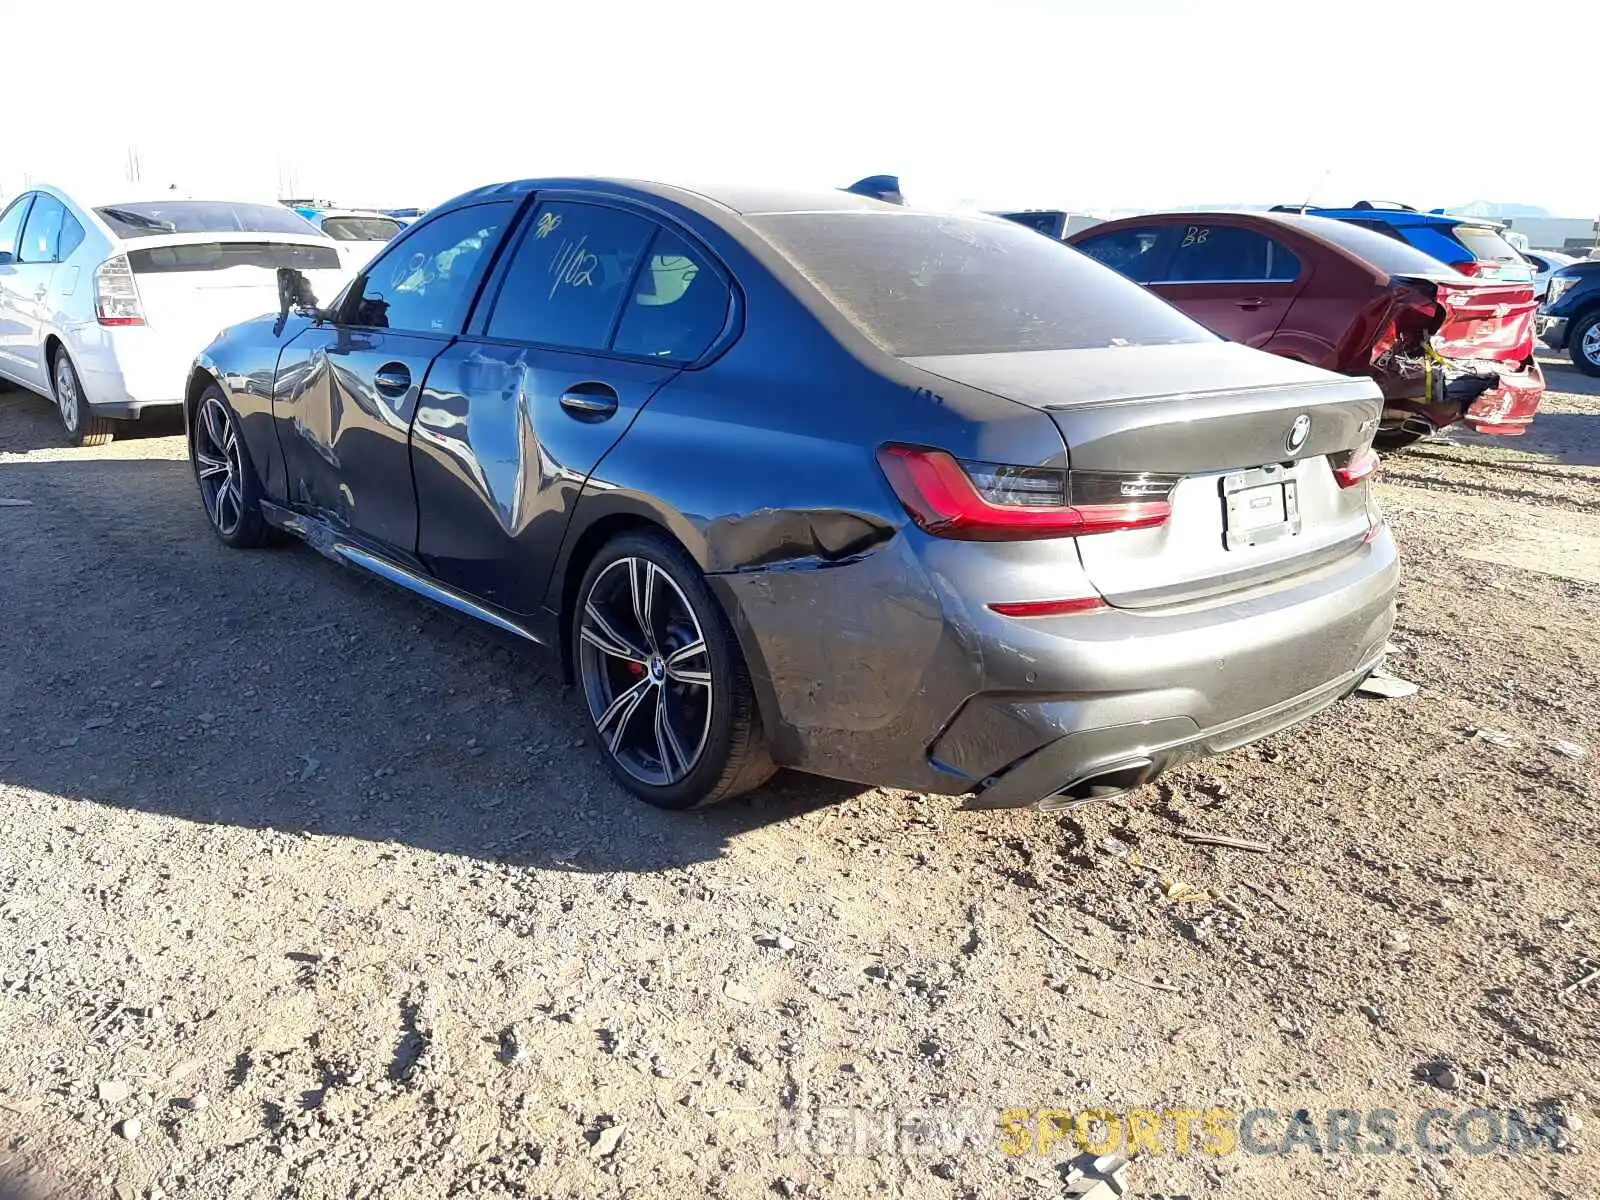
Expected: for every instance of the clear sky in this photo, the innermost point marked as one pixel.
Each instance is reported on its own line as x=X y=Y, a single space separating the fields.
x=1089 y=104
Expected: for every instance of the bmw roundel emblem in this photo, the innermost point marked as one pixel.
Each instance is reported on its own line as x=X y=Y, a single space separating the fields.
x=1298 y=433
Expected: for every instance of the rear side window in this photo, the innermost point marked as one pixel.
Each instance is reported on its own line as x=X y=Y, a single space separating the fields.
x=678 y=305
x=1136 y=253
x=425 y=283
x=42 y=232
x=923 y=283
x=570 y=275
x=360 y=229
x=11 y=224
x=71 y=237
x=1486 y=245
x=1229 y=254
x=145 y=219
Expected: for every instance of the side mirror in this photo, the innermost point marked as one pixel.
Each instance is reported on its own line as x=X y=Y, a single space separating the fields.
x=7 y=258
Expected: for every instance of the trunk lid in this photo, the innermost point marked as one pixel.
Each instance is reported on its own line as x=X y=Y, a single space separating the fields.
x=1247 y=442
x=1487 y=320
x=208 y=281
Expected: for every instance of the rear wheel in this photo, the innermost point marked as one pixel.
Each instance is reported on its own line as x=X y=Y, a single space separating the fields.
x=228 y=485
x=77 y=418
x=667 y=688
x=1583 y=343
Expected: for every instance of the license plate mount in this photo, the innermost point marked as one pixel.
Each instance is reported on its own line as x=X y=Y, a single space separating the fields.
x=1260 y=505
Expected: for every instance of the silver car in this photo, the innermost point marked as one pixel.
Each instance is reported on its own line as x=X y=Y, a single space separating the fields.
x=809 y=480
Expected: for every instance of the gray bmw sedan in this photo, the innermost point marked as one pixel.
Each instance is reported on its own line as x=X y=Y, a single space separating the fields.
x=803 y=479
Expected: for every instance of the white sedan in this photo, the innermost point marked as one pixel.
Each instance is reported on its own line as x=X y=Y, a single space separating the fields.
x=103 y=307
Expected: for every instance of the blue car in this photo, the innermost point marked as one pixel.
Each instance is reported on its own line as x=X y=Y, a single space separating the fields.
x=1472 y=245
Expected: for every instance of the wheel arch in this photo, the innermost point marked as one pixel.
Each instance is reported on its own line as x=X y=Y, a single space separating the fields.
x=581 y=547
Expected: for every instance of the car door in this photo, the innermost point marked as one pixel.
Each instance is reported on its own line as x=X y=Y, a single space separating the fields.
x=597 y=306
x=13 y=318
x=32 y=271
x=347 y=388
x=1233 y=279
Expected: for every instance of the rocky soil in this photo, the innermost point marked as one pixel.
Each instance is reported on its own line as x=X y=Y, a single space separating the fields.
x=308 y=889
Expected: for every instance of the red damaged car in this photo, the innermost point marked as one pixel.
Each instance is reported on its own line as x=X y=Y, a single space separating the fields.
x=1443 y=346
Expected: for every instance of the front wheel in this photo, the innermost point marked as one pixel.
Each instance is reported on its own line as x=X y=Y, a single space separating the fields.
x=77 y=418
x=228 y=485
x=661 y=671
x=1583 y=343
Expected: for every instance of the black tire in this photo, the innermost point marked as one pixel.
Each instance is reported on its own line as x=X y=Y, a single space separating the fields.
x=230 y=490
x=732 y=755
x=1386 y=441
x=82 y=426
x=1576 y=333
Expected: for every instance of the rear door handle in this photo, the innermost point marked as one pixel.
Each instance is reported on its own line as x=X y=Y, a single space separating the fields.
x=589 y=401
x=1253 y=302
x=393 y=379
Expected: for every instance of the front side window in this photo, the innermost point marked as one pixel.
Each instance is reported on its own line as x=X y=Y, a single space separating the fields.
x=11 y=224
x=425 y=283
x=678 y=306
x=1229 y=254
x=42 y=232
x=921 y=283
x=1135 y=253
x=569 y=277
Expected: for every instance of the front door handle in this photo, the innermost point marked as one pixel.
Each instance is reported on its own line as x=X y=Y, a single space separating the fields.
x=1252 y=303
x=393 y=379
x=590 y=401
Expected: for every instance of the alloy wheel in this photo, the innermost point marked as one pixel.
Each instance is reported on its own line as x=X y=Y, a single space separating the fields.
x=67 y=393
x=1590 y=346
x=217 y=466
x=645 y=671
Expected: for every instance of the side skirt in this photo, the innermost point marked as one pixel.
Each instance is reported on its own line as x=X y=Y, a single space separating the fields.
x=325 y=541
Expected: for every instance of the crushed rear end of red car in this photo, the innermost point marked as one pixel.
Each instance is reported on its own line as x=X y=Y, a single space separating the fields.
x=1458 y=349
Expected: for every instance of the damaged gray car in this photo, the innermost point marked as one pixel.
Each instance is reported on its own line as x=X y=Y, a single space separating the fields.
x=809 y=480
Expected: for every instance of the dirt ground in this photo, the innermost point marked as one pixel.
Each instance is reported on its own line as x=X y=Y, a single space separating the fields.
x=309 y=889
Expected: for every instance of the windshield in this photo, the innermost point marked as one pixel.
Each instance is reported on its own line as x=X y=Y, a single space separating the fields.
x=921 y=283
x=1487 y=245
x=1388 y=254
x=360 y=229
x=146 y=218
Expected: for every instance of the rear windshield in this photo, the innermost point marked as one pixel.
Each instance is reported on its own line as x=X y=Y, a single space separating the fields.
x=1386 y=253
x=360 y=229
x=1487 y=245
x=920 y=283
x=220 y=256
x=145 y=219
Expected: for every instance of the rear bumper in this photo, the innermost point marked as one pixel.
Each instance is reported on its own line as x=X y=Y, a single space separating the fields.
x=1509 y=409
x=882 y=671
x=127 y=371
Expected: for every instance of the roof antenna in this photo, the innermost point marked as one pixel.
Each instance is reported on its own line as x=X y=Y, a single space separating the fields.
x=1317 y=187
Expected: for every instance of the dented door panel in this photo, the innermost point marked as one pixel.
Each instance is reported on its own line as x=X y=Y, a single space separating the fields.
x=343 y=401
x=499 y=461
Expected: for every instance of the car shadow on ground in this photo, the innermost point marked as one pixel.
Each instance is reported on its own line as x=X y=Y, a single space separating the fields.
x=32 y=423
x=145 y=666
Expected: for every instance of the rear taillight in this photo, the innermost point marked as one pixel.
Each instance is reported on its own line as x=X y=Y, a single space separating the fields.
x=1048 y=608
x=995 y=502
x=116 y=296
x=1359 y=465
x=1470 y=266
